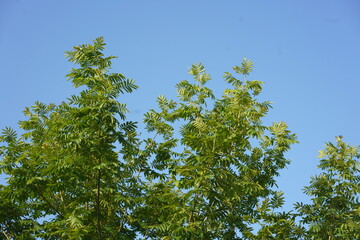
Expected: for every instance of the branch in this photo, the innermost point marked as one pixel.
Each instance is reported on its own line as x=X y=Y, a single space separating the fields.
x=48 y=202
x=7 y=237
x=98 y=214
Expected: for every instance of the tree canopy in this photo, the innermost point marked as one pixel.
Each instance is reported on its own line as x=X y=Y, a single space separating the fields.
x=81 y=170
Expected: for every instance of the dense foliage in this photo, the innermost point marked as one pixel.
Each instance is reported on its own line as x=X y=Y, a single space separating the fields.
x=80 y=170
x=334 y=211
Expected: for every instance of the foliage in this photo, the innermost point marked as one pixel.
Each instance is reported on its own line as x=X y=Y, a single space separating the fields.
x=80 y=170
x=334 y=211
x=12 y=223
x=221 y=165
x=65 y=167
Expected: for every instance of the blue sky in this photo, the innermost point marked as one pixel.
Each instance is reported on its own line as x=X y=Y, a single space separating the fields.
x=307 y=53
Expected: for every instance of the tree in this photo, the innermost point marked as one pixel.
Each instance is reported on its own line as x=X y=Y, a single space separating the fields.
x=219 y=165
x=80 y=170
x=334 y=211
x=65 y=167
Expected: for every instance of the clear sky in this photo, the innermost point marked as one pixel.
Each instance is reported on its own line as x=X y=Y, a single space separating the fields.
x=307 y=53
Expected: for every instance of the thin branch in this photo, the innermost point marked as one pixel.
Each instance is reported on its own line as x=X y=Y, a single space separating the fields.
x=7 y=237
x=49 y=203
x=98 y=182
x=98 y=205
